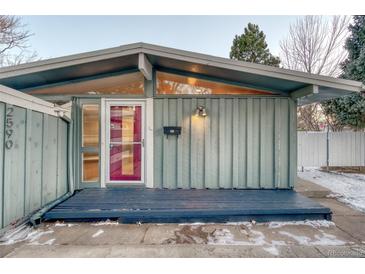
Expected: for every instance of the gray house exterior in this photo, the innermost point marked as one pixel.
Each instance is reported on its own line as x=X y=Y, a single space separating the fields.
x=155 y=117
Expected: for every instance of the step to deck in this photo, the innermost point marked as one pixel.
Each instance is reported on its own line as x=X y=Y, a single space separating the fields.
x=176 y=206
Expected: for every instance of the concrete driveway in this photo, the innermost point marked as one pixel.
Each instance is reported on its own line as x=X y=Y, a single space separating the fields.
x=345 y=237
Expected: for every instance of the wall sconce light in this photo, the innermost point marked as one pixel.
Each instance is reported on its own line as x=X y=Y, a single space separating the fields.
x=200 y=111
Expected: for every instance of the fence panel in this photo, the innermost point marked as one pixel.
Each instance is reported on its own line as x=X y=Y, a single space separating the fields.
x=25 y=137
x=311 y=149
x=344 y=149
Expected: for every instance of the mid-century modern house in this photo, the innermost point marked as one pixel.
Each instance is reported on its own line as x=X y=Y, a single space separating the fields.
x=117 y=122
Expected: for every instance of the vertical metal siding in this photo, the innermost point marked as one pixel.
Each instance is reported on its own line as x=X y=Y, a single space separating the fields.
x=49 y=175
x=293 y=139
x=283 y=131
x=242 y=143
x=62 y=155
x=14 y=167
x=34 y=170
x=2 y=148
x=158 y=143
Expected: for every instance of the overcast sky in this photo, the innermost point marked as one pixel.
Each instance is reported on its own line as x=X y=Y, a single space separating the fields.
x=62 y=35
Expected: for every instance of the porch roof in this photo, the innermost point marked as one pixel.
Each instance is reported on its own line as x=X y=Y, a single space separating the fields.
x=305 y=87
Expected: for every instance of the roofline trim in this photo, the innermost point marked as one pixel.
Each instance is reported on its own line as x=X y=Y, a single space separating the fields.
x=65 y=61
x=181 y=55
x=253 y=68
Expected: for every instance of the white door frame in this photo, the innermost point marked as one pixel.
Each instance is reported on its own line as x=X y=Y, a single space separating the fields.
x=147 y=133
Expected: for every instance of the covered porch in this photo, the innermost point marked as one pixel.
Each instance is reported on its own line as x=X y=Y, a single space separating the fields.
x=133 y=205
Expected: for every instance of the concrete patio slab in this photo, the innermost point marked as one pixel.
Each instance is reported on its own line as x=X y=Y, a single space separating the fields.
x=353 y=225
x=112 y=235
x=311 y=190
x=306 y=251
x=60 y=251
x=342 y=251
x=183 y=251
x=339 y=208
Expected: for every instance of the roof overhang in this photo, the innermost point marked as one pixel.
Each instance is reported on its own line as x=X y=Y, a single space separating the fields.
x=146 y=56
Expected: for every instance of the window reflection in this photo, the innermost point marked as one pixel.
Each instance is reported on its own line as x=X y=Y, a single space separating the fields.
x=125 y=162
x=168 y=83
x=90 y=125
x=90 y=166
x=130 y=83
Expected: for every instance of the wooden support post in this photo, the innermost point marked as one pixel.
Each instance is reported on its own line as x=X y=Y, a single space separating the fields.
x=304 y=92
x=145 y=66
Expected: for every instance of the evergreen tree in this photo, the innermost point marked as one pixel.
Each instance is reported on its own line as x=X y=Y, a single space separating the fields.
x=251 y=46
x=354 y=65
x=350 y=110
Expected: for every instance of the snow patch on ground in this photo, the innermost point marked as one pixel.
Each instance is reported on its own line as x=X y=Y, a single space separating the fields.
x=349 y=188
x=98 y=233
x=272 y=250
x=334 y=195
x=37 y=234
x=49 y=242
x=193 y=224
x=355 y=176
x=275 y=224
x=312 y=223
x=323 y=239
x=247 y=224
x=107 y=222
x=222 y=237
x=59 y=224
x=24 y=233
x=15 y=235
x=256 y=238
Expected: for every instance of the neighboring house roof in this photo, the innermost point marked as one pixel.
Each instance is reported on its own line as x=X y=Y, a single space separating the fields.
x=306 y=87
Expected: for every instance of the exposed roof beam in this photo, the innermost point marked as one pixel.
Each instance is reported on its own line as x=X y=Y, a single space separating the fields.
x=304 y=92
x=145 y=66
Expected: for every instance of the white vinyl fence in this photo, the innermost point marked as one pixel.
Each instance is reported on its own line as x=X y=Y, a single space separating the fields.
x=342 y=149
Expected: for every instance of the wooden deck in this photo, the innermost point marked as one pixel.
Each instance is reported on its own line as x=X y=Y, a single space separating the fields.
x=131 y=205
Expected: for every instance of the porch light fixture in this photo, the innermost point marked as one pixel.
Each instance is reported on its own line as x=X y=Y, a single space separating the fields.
x=200 y=111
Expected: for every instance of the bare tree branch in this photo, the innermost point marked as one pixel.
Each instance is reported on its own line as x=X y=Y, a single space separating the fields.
x=13 y=42
x=21 y=57
x=315 y=45
x=12 y=33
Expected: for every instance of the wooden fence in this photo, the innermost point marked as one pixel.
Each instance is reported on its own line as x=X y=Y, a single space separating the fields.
x=339 y=149
x=33 y=154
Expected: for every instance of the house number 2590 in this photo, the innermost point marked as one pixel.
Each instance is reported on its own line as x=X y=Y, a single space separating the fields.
x=9 y=131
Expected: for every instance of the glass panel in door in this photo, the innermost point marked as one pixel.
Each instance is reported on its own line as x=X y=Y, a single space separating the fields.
x=125 y=143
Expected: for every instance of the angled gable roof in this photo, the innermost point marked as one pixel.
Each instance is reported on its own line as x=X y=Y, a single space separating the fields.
x=304 y=86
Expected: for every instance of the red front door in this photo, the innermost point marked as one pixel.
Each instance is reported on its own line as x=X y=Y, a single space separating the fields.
x=125 y=143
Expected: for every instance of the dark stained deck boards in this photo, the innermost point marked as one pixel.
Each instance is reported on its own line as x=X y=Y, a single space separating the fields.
x=131 y=205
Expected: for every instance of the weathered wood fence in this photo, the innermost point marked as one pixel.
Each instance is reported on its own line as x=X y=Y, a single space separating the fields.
x=33 y=154
x=341 y=149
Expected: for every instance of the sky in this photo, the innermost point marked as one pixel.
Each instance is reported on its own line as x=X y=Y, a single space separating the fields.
x=63 y=35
